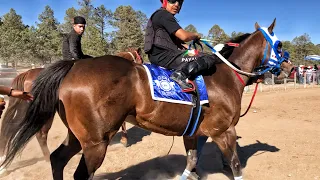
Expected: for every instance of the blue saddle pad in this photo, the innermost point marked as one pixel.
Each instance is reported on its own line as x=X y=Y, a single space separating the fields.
x=164 y=89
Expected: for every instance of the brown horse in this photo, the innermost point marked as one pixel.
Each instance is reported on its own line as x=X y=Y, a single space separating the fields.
x=94 y=104
x=17 y=108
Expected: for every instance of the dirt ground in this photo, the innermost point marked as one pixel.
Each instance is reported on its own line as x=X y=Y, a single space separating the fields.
x=278 y=140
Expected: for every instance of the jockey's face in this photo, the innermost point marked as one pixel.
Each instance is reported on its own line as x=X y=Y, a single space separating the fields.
x=174 y=6
x=79 y=28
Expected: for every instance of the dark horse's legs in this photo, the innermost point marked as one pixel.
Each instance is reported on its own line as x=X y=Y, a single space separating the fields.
x=42 y=136
x=190 y=144
x=60 y=157
x=228 y=144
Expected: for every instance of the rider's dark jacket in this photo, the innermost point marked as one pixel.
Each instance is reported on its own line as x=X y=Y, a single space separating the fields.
x=161 y=44
x=71 y=47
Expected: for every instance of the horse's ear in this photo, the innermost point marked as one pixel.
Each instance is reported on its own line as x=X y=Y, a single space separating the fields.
x=257 y=26
x=271 y=27
x=139 y=50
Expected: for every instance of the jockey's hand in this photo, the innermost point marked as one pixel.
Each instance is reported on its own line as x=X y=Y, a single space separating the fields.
x=198 y=37
x=22 y=95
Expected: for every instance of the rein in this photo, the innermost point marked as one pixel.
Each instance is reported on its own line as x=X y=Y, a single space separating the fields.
x=254 y=94
x=236 y=71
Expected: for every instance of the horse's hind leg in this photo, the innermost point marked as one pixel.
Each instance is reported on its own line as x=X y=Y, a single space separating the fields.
x=227 y=143
x=124 y=135
x=61 y=156
x=92 y=157
x=42 y=137
x=190 y=144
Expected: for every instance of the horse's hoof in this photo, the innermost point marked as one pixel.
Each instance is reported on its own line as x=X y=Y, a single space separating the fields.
x=3 y=172
x=124 y=142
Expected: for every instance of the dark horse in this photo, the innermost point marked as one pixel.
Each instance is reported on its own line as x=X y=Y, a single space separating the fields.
x=17 y=108
x=112 y=90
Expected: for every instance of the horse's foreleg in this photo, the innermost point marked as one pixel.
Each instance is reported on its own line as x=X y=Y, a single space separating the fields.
x=190 y=144
x=124 y=135
x=61 y=156
x=42 y=136
x=227 y=143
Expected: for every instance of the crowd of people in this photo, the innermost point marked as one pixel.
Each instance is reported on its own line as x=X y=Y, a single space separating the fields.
x=311 y=74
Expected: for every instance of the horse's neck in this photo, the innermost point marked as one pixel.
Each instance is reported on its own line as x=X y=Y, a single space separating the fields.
x=245 y=57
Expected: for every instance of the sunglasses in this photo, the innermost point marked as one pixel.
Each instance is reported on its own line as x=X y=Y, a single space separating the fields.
x=174 y=1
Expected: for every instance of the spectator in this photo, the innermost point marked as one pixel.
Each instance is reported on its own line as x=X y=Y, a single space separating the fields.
x=300 y=74
x=309 y=75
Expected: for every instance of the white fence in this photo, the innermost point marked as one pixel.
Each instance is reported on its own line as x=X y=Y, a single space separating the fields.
x=314 y=83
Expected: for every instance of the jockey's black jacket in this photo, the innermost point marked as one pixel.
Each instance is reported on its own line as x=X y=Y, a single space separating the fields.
x=71 y=47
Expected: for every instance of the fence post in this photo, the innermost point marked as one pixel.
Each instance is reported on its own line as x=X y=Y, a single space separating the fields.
x=313 y=79
x=295 y=80
x=272 y=76
x=285 y=84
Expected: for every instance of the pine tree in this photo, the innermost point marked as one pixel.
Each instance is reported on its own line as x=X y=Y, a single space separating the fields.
x=12 y=47
x=129 y=34
x=49 y=39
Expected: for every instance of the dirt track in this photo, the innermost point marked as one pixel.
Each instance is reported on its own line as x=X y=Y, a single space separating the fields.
x=280 y=141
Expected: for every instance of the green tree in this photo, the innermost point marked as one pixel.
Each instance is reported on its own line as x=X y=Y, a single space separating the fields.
x=11 y=31
x=102 y=18
x=302 y=47
x=66 y=27
x=143 y=20
x=191 y=28
x=129 y=32
x=86 y=10
x=236 y=34
x=48 y=39
x=217 y=34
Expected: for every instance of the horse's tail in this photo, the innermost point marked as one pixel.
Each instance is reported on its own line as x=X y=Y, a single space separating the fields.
x=41 y=109
x=14 y=107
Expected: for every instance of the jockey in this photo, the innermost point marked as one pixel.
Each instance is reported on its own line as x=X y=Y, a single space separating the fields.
x=165 y=45
x=71 y=47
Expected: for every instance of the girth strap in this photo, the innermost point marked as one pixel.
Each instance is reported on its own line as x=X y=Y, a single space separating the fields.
x=195 y=113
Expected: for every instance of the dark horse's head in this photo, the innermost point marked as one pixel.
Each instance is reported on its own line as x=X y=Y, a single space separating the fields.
x=132 y=54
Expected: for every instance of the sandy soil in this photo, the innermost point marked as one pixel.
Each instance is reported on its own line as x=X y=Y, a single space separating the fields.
x=278 y=139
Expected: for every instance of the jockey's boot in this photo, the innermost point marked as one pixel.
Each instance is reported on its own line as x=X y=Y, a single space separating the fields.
x=191 y=69
x=181 y=78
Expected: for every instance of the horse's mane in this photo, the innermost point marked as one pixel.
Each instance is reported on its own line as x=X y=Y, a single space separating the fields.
x=227 y=50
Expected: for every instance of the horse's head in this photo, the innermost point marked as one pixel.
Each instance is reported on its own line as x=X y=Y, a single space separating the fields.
x=135 y=54
x=271 y=58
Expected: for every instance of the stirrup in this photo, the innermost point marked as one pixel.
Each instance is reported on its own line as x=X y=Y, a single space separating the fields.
x=192 y=89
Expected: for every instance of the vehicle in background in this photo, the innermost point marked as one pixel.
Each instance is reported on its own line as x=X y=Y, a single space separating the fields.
x=7 y=75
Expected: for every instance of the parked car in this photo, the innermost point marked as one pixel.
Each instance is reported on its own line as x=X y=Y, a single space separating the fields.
x=7 y=75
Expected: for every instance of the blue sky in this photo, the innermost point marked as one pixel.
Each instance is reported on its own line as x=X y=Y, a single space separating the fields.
x=293 y=17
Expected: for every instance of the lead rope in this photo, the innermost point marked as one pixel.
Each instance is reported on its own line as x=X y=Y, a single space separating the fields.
x=254 y=94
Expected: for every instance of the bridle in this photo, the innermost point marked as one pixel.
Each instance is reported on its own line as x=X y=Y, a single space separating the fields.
x=135 y=58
